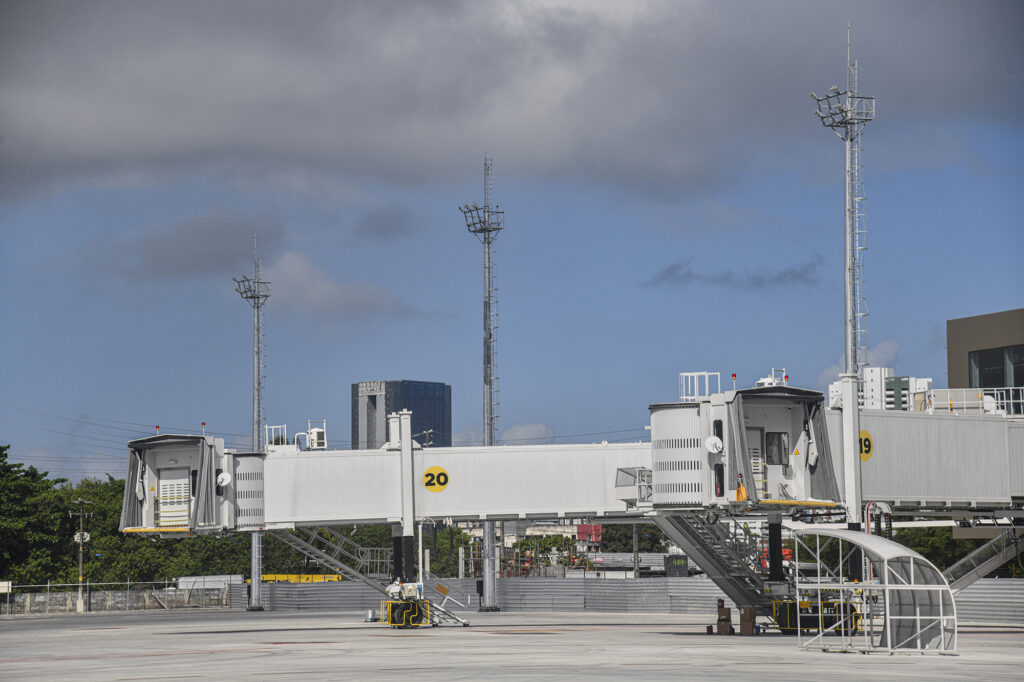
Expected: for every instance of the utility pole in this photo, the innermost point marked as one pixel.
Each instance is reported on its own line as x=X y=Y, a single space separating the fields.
x=486 y=222
x=256 y=291
x=81 y=537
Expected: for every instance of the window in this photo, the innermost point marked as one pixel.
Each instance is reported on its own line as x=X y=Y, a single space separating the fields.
x=777 y=447
x=996 y=367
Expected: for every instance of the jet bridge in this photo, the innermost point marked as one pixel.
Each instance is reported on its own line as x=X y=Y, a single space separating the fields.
x=701 y=454
x=757 y=453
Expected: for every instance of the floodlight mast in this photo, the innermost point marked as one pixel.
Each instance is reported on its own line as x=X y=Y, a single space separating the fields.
x=486 y=222
x=846 y=113
x=256 y=291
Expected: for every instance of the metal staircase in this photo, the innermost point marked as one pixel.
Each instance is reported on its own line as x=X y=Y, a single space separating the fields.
x=986 y=558
x=724 y=556
x=326 y=545
x=372 y=562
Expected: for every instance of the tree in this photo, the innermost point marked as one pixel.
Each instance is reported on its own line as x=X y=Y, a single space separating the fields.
x=33 y=532
x=619 y=538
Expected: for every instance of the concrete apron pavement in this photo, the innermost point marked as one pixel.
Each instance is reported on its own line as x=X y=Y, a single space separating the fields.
x=225 y=644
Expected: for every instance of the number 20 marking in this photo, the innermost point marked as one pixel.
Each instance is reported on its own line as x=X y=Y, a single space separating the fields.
x=435 y=479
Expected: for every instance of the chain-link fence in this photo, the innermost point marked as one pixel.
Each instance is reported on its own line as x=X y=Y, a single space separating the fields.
x=121 y=596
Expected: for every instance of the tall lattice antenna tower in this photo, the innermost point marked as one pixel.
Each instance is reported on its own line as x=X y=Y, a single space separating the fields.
x=256 y=291
x=486 y=222
x=846 y=113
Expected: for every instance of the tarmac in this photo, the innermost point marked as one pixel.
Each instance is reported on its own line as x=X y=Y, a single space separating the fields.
x=231 y=644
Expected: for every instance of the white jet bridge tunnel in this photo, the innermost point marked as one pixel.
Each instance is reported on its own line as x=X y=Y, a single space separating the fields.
x=759 y=454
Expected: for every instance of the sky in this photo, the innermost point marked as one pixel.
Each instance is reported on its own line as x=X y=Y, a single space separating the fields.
x=671 y=203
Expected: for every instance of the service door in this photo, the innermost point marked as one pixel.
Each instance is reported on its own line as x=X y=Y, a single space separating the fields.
x=173 y=499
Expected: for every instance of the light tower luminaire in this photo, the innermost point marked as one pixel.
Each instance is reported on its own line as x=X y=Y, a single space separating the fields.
x=256 y=291
x=486 y=222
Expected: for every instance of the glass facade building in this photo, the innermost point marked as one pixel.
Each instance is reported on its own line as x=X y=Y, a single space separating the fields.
x=429 y=401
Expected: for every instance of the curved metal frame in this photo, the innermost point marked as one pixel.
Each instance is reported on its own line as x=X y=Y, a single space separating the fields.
x=903 y=605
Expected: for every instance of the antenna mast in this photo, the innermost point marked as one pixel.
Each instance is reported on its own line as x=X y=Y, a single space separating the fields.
x=846 y=113
x=486 y=222
x=256 y=291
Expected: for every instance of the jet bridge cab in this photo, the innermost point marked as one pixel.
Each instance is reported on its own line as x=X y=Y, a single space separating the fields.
x=179 y=485
x=758 y=447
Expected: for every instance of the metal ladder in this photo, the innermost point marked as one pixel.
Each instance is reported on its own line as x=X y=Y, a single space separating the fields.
x=320 y=543
x=759 y=471
x=986 y=558
x=725 y=558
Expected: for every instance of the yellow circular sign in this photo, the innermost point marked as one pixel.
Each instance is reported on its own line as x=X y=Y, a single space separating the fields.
x=867 y=448
x=435 y=479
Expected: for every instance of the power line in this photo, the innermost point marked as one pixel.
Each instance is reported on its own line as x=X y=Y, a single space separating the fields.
x=93 y=422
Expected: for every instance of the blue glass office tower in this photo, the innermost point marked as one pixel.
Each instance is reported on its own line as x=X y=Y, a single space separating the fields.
x=372 y=402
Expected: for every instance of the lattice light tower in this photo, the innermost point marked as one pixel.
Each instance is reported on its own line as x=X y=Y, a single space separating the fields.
x=256 y=291
x=846 y=113
x=486 y=222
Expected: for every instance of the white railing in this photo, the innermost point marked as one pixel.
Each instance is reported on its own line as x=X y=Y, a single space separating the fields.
x=1006 y=401
x=694 y=385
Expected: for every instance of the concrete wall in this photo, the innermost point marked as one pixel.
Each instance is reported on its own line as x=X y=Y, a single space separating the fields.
x=987 y=601
x=115 y=600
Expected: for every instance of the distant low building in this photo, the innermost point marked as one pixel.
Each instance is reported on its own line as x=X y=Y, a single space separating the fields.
x=880 y=389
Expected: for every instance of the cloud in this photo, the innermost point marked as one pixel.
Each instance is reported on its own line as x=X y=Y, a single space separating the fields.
x=298 y=285
x=528 y=434
x=664 y=98
x=681 y=273
x=385 y=223
x=884 y=354
x=469 y=436
x=209 y=245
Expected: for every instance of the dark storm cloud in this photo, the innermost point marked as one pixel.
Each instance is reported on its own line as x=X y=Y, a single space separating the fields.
x=207 y=245
x=682 y=274
x=663 y=98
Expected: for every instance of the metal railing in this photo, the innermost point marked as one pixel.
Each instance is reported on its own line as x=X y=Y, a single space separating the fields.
x=112 y=596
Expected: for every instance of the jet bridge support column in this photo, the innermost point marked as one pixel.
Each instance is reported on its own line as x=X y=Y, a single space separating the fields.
x=775 y=570
x=408 y=499
x=851 y=465
x=396 y=552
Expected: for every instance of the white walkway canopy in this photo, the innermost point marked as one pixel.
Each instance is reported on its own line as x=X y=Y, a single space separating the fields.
x=900 y=602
